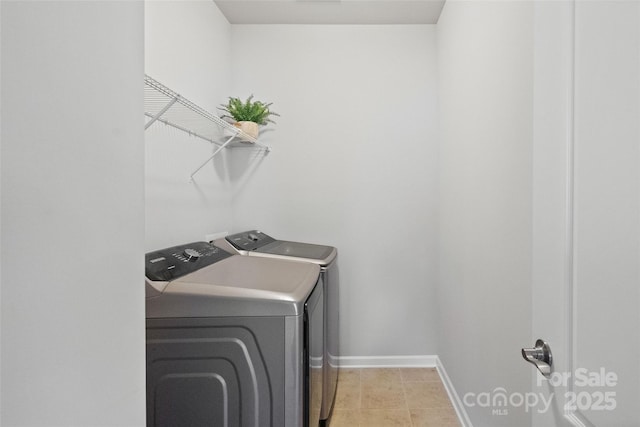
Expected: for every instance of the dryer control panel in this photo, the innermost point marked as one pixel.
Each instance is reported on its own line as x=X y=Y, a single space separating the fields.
x=177 y=261
x=250 y=240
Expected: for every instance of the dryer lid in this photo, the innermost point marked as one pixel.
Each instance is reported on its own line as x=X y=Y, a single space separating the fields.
x=318 y=254
x=257 y=243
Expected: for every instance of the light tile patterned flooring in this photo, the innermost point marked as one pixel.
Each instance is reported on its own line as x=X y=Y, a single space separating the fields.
x=387 y=397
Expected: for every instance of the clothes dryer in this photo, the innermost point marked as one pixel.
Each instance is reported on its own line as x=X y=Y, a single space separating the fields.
x=232 y=341
x=255 y=243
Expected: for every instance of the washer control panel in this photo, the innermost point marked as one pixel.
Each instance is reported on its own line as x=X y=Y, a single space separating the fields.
x=177 y=261
x=250 y=240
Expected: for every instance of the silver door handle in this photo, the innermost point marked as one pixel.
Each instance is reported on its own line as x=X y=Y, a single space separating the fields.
x=540 y=356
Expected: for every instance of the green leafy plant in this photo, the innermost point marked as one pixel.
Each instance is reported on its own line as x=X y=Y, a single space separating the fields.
x=248 y=111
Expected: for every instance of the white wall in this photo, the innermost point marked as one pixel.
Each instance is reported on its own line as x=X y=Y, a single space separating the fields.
x=72 y=214
x=484 y=253
x=187 y=47
x=353 y=165
x=1 y=411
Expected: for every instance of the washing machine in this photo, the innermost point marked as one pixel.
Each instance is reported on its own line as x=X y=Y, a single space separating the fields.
x=255 y=243
x=232 y=341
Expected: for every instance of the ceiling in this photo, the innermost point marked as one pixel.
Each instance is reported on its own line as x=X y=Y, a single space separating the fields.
x=331 y=11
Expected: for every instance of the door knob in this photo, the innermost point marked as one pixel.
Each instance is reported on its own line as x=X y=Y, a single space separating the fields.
x=540 y=356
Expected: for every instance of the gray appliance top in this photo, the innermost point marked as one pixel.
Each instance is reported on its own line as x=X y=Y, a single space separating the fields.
x=234 y=286
x=259 y=244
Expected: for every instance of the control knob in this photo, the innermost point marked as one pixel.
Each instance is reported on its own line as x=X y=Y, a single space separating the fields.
x=191 y=254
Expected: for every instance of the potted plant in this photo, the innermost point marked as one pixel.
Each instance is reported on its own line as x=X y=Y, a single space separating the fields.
x=248 y=115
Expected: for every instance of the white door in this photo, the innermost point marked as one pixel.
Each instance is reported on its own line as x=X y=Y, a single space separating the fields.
x=586 y=280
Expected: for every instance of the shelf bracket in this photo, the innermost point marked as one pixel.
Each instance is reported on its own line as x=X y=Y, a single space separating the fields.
x=220 y=148
x=161 y=112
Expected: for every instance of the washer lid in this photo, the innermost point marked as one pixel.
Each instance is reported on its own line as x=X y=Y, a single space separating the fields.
x=238 y=286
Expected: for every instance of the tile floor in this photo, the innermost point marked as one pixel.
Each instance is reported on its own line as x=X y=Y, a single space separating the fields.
x=389 y=397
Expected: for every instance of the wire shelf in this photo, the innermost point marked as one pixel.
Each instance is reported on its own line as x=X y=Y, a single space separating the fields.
x=163 y=105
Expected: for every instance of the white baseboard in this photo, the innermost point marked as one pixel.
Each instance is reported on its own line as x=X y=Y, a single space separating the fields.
x=463 y=417
x=387 y=361
x=425 y=361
